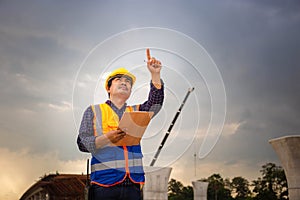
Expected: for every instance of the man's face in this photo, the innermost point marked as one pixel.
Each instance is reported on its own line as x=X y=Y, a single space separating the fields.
x=120 y=85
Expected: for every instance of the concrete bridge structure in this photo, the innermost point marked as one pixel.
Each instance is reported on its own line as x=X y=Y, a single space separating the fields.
x=287 y=149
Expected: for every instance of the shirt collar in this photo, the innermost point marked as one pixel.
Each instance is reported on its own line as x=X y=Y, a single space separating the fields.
x=111 y=104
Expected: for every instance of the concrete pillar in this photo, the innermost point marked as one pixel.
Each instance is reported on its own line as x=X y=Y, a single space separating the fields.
x=156 y=185
x=288 y=151
x=200 y=190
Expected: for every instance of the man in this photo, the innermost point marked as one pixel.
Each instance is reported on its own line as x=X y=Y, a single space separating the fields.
x=117 y=171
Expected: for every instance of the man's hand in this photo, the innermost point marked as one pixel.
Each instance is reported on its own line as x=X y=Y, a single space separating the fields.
x=154 y=67
x=108 y=138
x=115 y=135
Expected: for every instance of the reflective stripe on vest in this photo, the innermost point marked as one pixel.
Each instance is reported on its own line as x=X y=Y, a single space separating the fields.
x=97 y=120
x=116 y=164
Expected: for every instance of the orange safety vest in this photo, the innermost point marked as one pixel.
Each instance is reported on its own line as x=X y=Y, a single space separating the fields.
x=110 y=165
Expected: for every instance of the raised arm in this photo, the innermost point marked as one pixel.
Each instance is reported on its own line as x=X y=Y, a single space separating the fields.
x=156 y=94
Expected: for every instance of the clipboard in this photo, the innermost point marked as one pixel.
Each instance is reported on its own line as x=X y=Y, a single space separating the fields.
x=134 y=124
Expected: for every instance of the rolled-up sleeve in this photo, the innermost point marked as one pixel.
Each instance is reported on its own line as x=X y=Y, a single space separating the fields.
x=155 y=99
x=86 y=138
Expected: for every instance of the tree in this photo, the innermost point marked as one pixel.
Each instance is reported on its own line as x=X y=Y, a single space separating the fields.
x=272 y=185
x=217 y=189
x=240 y=187
x=179 y=192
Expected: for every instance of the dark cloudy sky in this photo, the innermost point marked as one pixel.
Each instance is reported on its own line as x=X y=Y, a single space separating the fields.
x=47 y=49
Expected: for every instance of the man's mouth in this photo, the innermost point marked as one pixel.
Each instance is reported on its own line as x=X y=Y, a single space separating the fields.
x=123 y=87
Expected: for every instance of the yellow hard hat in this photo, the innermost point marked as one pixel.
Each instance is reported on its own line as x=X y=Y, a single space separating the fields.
x=119 y=71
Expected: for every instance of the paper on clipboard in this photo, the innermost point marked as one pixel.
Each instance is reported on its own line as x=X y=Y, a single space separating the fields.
x=134 y=124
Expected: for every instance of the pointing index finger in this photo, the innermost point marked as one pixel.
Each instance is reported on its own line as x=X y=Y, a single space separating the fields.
x=148 y=54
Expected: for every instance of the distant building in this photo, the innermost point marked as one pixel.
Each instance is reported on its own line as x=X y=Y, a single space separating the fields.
x=57 y=187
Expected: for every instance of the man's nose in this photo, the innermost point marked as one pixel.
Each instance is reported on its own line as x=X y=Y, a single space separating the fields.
x=123 y=82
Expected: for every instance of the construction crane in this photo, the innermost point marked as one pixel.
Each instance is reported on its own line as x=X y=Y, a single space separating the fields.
x=170 y=127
